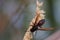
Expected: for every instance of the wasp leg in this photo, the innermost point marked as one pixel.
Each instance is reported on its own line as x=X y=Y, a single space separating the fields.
x=45 y=29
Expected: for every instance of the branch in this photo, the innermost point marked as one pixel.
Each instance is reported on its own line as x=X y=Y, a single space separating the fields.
x=28 y=34
x=54 y=36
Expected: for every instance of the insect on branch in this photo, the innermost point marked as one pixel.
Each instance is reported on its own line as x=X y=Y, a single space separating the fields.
x=36 y=23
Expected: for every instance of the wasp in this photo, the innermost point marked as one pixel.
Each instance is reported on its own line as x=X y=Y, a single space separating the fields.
x=38 y=26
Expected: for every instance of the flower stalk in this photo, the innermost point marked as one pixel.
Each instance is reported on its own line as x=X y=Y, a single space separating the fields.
x=39 y=15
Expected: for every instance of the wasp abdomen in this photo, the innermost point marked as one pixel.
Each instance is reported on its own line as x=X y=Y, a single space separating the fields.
x=33 y=28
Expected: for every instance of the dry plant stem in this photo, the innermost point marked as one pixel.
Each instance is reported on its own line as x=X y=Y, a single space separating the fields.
x=28 y=35
x=39 y=16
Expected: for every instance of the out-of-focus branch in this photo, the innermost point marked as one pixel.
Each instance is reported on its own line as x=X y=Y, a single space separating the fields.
x=54 y=36
x=19 y=9
x=28 y=34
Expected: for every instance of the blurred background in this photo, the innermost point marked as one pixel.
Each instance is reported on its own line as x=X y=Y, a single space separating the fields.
x=15 y=16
